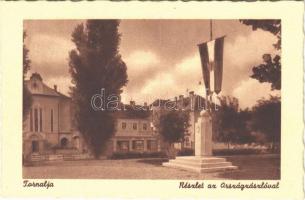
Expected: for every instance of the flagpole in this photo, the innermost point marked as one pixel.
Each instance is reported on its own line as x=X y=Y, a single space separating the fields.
x=209 y=94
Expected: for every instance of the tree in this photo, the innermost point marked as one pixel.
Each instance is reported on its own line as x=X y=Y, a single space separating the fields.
x=96 y=64
x=244 y=135
x=231 y=123
x=27 y=97
x=172 y=126
x=270 y=70
x=267 y=118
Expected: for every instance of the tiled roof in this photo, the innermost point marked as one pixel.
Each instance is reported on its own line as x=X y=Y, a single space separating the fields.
x=47 y=91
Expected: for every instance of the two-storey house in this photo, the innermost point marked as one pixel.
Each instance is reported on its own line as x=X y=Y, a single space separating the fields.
x=134 y=131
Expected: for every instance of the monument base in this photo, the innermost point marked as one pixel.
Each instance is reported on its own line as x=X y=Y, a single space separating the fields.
x=200 y=164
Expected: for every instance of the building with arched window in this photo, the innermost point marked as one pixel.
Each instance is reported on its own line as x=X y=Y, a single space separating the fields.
x=48 y=128
x=48 y=125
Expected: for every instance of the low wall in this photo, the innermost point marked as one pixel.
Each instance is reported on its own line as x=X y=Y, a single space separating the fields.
x=58 y=157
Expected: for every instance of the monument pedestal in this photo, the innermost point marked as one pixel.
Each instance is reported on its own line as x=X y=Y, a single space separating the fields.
x=200 y=164
x=203 y=161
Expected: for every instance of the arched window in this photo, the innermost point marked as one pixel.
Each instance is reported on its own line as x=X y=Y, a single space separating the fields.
x=31 y=119
x=64 y=142
x=51 y=120
x=40 y=120
x=36 y=120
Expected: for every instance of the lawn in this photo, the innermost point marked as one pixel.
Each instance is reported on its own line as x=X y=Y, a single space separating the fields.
x=254 y=167
x=250 y=167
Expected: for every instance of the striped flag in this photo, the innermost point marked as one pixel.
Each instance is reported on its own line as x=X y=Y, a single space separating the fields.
x=211 y=54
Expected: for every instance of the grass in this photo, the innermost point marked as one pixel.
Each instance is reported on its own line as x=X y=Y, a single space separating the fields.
x=251 y=167
x=254 y=167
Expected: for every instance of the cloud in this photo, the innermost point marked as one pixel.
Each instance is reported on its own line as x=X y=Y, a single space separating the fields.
x=49 y=55
x=178 y=80
x=162 y=57
x=240 y=55
x=250 y=90
x=142 y=58
x=55 y=49
x=188 y=74
x=161 y=86
x=247 y=50
x=141 y=66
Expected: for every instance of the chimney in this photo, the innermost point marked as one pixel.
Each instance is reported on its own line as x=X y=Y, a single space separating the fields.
x=180 y=102
x=55 y=88
x=36 y=76
x=145 y=104
x=192 y=99
x=176 y=99
x=132 y=103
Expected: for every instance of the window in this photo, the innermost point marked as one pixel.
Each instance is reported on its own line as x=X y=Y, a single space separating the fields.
x=144 y=126
x=138 y=145
x=64 y=143
x=51 y=120
x=135 y=126
x=34 y=85
x=36 y=120
x=123 y=146
x=151 y=145
x=123 y=125
x=40 y=119
x=187 y=141
x=31 y=120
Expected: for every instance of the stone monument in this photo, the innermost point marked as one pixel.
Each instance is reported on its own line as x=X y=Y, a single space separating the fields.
x=204 y=161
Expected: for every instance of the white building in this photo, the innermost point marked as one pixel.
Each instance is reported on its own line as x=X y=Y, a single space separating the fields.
x=48 y=126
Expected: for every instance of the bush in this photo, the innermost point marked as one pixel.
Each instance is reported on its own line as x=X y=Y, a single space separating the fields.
x=228 y=152
x=128 y=155
x=186 y=152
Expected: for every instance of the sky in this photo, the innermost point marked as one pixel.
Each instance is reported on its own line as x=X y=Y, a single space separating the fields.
x=162 y=57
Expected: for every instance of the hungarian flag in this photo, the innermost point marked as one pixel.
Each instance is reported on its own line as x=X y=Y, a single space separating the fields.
x=211 y=54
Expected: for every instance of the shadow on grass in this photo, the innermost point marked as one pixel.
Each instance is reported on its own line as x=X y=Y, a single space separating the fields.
x=153 y=161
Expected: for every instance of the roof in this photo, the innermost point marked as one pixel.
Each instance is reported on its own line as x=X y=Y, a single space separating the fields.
x=198 y=104
x=128 y=111
x=46 y=91
x=159 y=102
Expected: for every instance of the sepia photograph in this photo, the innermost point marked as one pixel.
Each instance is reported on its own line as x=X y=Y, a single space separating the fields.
x=171 y=99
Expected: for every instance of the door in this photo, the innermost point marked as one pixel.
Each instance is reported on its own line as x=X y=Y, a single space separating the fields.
x=35 y=146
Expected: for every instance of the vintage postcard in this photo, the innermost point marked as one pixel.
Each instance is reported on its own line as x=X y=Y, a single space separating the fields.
x=159 y=100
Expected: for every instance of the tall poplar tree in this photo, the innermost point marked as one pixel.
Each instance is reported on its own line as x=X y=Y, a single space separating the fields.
x=96 y=64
